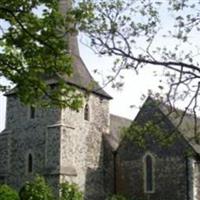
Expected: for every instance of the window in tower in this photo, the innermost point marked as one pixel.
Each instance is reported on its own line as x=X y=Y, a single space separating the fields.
x=86 y=113
x=149 y=173
x=30 y=163
x=32 y=112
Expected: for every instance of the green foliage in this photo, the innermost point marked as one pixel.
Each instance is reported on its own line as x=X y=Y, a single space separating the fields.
x=32 y=43
x=70 y=192
x=33 y=48
x=116 y=197
x=130 y=30
x=39 y=190
x=7 y=193
x=121 y=197
x=36 y=190
x=142 y=134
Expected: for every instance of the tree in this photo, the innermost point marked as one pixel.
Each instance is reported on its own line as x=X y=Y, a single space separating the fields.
x=34 y=46
x=129 y=30
x=7 y=193
x=70 y=192
x=37 y=190
x=121 y=197
x=126 y=29
x=116 y=197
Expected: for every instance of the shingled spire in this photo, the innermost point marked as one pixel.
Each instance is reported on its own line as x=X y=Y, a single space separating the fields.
x=81 y=76
x=70 y=39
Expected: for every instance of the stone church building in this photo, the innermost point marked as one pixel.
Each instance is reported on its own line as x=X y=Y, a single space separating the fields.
x=86 y=147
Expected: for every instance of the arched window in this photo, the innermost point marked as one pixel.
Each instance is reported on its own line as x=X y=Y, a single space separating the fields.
x=32 y=112
x=149 y=173
x=30 y=163
x=86 y=112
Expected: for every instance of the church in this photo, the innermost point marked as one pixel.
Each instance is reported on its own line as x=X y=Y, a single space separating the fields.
x=87 y=147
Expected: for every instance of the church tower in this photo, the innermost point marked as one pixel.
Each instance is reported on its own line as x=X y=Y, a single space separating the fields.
x=59 y=144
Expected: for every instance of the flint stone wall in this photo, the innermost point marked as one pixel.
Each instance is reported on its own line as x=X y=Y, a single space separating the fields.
x=82 y=147
x=27 y=136
x=172 y=177
x=64 y=146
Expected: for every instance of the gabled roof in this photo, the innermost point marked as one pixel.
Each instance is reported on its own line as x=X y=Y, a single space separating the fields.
x=117 y=123
x=184 y=123
x=185 y=128
x=81 y=77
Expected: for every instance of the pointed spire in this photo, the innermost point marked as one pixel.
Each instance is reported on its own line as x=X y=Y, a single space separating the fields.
x=71 y=39
x=81 y=76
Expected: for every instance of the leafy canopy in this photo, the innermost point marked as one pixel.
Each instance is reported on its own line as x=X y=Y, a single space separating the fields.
x=70 y=192
x=142 y=34
x=34 y=47
x=37 y=190
x=7 y=193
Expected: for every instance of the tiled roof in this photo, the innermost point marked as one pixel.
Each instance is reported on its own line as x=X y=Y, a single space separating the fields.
x=185 y=128
x=185 y=124
x=117 y=123
x=182 y=122
x=82 y=78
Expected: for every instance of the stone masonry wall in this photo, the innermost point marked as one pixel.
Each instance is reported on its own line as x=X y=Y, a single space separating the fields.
x=82 y=146
x=4 y=155
x=170 y=162
x=194 y=178
x=29 y=136
x=64 y=146
x=170 y=179
x=109 y=168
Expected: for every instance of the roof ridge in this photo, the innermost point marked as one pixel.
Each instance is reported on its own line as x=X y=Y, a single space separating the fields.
x=176 y=109
x=125 y=118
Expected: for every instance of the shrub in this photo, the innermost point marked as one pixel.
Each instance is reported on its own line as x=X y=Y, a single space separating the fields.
x=36 y=190
x=121 y=197
x=116 y=197
x=70 y=192
x=7 y=193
